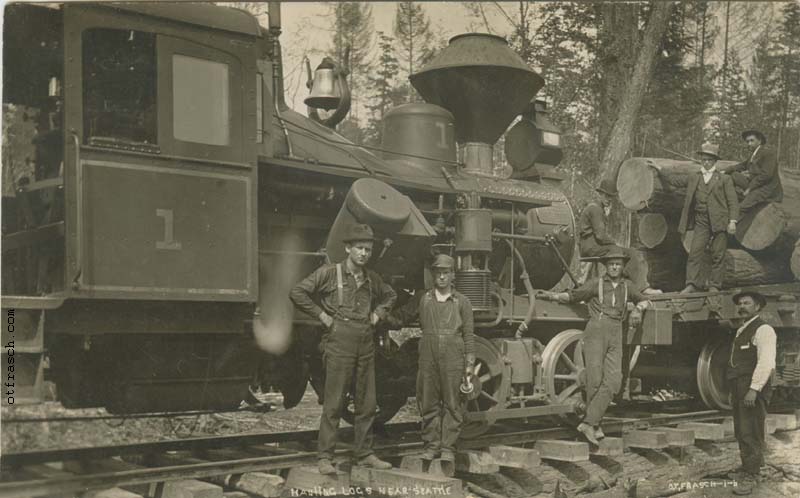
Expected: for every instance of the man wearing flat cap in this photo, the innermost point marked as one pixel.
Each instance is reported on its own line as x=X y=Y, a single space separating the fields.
x=597 y=242
x=758 y=176
x=349 y=299
x=608 y=299
x=446 y=356
x=750 y=367
x=711 y=209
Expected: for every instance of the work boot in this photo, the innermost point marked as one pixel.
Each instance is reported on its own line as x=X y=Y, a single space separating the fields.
x=428 y=454
x=746 y=485
x=713 y=289
x=325 y=467
x=649 y=291
x=588 y=432
x=598 y=432
x=374 y=462
x=690 y=288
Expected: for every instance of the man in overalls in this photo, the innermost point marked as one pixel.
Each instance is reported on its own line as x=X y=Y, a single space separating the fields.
x=349 y=300
x=751 y=364
x=602 y=339
x=446 y=356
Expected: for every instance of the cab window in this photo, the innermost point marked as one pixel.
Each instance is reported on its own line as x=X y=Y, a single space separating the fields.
x=119 y=87
x=200 y=100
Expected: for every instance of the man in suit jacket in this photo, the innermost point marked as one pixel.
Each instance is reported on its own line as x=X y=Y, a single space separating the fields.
x=711 y=208
x=757 y=177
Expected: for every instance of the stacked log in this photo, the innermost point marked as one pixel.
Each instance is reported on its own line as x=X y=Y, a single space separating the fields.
x=766 y=249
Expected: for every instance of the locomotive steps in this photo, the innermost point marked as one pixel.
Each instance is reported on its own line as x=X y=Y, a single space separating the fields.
x=631 y=461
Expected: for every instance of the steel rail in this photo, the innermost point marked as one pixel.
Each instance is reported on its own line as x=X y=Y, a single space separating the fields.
x=39 y=487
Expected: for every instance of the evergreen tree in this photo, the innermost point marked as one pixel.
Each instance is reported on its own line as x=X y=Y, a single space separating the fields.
x=384 y=89
x=729 y=110
x=414 y=37
x=352 y=29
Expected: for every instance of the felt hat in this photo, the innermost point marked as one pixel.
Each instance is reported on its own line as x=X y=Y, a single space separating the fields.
x=358 y=232
x=607 y=187
x=757 y=297
x=758 y=134
x=709 y=149
x=615 y=254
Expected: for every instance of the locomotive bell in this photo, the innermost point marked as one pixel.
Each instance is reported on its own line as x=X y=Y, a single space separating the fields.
x=325 y=92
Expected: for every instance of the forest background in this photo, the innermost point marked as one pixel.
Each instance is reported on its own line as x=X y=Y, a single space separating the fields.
x=718 y=68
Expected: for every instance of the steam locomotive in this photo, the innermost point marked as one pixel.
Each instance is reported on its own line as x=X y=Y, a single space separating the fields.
x=166 y=198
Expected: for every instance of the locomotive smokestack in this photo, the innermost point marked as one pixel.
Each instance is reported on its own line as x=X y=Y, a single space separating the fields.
x=485 y=85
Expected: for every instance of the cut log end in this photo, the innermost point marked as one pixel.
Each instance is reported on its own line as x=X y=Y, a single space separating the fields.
x=652 y=229
x=760 y=228
x=635 y=183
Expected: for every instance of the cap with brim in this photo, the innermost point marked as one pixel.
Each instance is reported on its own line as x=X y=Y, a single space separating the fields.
x=443 y=261
x=359 y=232
x=761 y=136
x=757 y=297
x=615 y=255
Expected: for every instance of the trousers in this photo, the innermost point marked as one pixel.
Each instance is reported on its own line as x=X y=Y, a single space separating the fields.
x=717 y=243
x=602 y=350
x=748 y=425
x=633 y=268
x=441 y=366
x=349 y=353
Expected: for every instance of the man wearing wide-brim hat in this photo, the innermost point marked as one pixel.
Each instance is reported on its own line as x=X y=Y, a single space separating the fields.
x=758 y=176
x=710 y=209
x=750 y=367
x=608 y=298
x=348 y=299
x=595 y=240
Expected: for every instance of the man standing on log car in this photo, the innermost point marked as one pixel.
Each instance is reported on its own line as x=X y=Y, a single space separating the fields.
x=351 y=300
x=602 y=339
x=758 y=177
x=710 y=209
x=597 y=242
x=750 y=367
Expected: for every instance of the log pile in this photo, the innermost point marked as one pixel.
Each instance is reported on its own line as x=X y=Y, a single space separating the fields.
x=766 y=248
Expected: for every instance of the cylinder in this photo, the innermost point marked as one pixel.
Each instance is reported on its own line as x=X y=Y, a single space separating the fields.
x=474 y=230
x=476 y=285
x=419 y=129
x=478 y=159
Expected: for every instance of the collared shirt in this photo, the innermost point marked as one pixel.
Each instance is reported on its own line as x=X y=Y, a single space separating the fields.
x=707 y=174
x=319 y=292
x=753 y=155
x=764 y=341
x=615 y=297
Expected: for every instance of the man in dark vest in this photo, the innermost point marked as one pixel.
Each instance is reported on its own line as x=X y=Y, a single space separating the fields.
x=608 y=298
x=596 y=241
x=446 y=356
x=711 y=209
x=349 y=300
x=750 y=367
x=758 y=177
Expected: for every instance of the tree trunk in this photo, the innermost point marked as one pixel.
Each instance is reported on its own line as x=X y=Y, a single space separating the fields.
x=641 y=187
x=794 y=262
x=619 y=141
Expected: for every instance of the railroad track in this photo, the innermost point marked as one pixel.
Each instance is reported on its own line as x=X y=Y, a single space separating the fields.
x=223 y=460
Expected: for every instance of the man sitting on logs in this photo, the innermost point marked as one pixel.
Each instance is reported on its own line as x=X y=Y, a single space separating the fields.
x=597 y=242
x=608 y=298
x=758 y=177
x=749 y=371
x=711 y=209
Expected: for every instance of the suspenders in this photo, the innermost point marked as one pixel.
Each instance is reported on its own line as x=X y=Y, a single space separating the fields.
x=600 y=291
x=339 y=284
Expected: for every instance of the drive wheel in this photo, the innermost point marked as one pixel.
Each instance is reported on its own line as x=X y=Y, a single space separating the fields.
x=493 y=377
x=564 y=370
x=711 y=382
